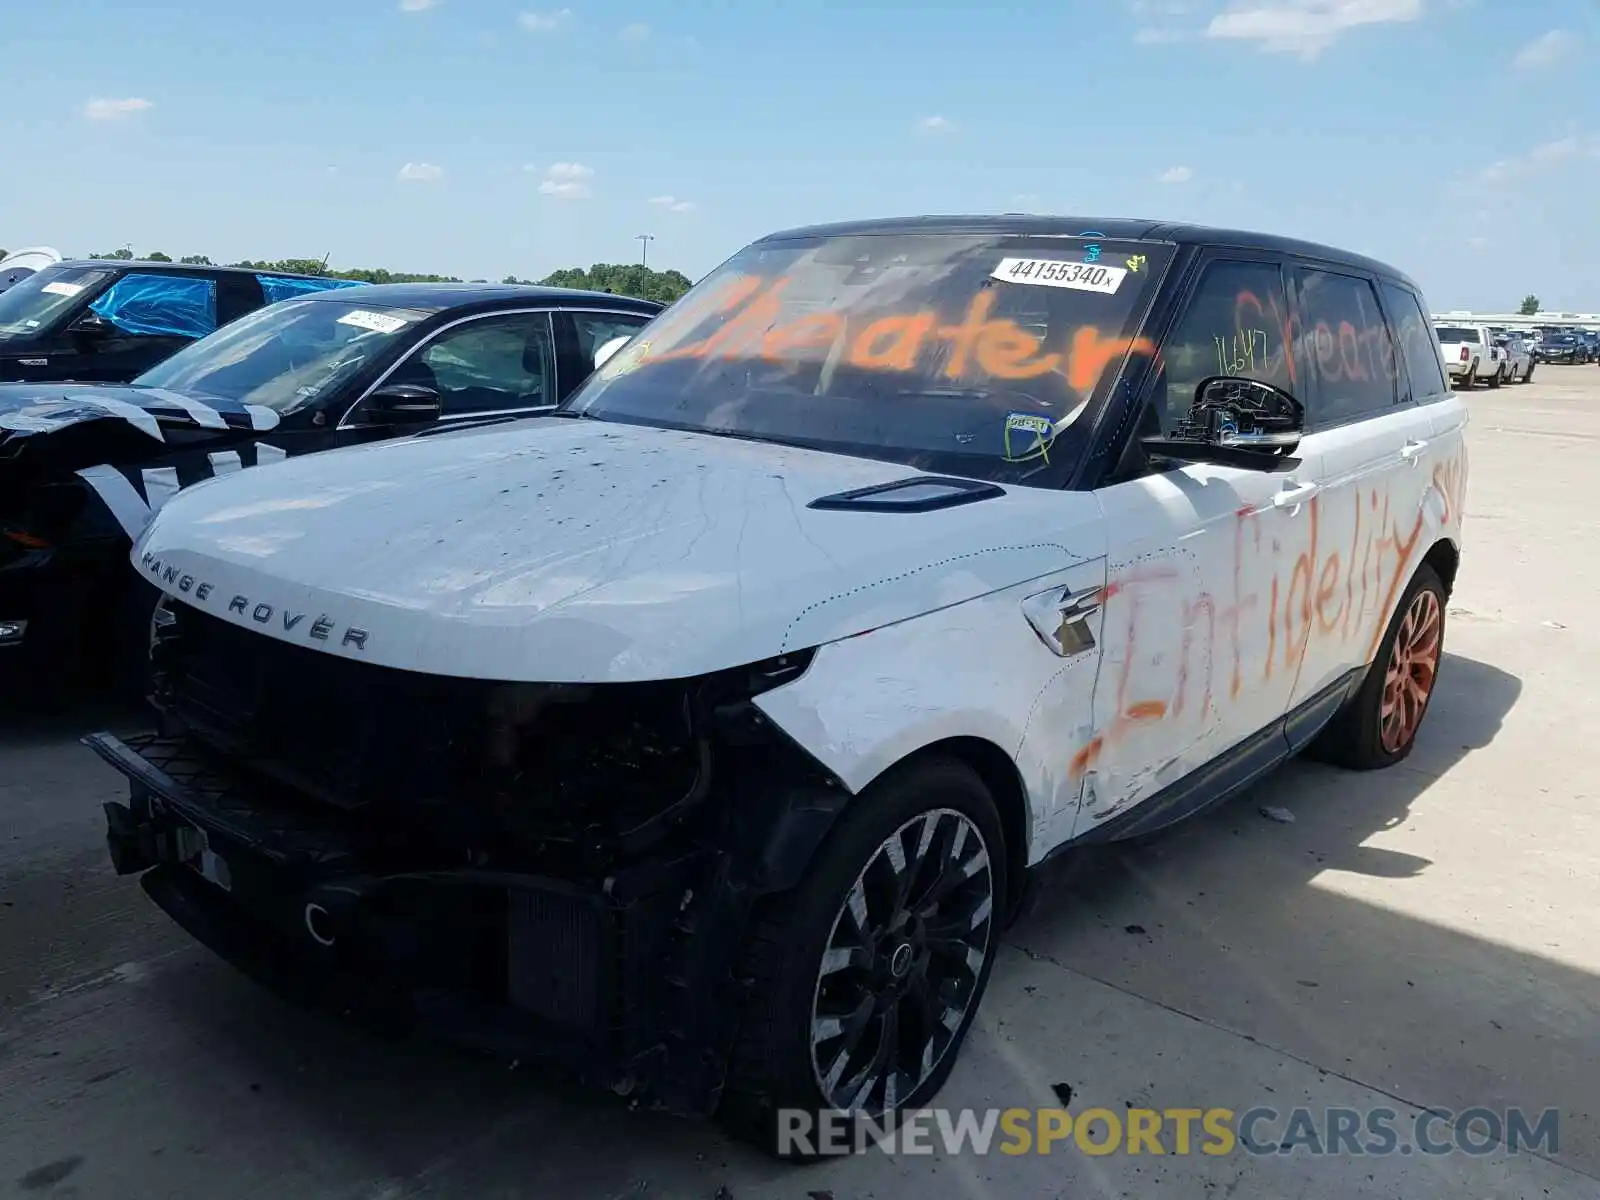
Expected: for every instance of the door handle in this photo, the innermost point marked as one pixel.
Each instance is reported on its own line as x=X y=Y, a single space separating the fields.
x=1293 y=497
x=1412 y=449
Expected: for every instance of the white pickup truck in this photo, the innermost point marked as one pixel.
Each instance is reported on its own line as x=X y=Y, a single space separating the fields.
x=1470 y=354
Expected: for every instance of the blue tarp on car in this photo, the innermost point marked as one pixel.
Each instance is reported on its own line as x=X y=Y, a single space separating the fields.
x=160 y=305
x=280 y=287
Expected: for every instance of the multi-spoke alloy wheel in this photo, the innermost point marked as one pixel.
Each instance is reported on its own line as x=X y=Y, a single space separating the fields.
x=1413 y=664
x=902 y=964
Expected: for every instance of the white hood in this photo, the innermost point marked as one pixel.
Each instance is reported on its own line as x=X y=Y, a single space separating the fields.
x=571 y=551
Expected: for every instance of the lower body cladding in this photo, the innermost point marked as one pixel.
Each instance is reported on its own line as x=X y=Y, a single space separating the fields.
x=612 y=947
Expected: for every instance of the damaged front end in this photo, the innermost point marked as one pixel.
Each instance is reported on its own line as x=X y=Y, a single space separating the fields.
x=556 y=870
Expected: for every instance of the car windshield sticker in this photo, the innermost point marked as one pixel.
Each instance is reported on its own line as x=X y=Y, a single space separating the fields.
x=1053 y=272
x=1136 y=262
x=62 y=289
x=376 y=322
x=1028 y=435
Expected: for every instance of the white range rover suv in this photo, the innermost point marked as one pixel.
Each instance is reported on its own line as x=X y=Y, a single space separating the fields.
x=700 y=734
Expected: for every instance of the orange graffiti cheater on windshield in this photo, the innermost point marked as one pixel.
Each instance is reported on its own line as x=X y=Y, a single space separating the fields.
x=978 y=344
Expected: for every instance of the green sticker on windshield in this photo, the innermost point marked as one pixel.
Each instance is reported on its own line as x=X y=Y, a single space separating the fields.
x=1028 y=435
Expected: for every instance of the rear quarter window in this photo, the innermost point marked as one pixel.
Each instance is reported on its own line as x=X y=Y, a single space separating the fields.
x=1419 y=348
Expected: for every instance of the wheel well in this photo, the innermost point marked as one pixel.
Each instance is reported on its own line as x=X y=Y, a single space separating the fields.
x=1444 y=558
x=999 y=774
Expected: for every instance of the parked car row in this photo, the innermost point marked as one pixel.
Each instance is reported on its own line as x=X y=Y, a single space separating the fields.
x=83 y=466
x=698 y=724
x=1476 y=354
x=1567 y=345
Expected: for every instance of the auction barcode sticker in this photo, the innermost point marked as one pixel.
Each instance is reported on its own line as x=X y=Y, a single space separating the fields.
x=1055 y=272
x=62 y=289
x=377 y=322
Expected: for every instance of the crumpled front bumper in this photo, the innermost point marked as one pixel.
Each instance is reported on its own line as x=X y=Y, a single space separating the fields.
x=591 y=979
x=628 y=976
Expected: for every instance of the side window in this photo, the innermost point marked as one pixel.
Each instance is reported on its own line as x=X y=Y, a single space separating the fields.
x=1233 y=325
x=283 y=287
x=1418 y=345
x=160 y=305
x=596 y=329
x=1346 y=347
x=492 y=363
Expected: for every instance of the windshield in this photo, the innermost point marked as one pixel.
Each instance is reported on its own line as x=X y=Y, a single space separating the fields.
x=33 y=305
x=1452 y=333
x=973 y=354
x=286 y=356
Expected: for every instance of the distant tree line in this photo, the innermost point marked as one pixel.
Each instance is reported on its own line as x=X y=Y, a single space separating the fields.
x=624 y=279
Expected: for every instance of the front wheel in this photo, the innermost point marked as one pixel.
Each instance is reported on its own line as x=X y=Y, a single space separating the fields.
x=1379 y=726
x=865 y=978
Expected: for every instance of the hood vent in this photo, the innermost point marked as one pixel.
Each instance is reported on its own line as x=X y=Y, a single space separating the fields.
x=920 y=493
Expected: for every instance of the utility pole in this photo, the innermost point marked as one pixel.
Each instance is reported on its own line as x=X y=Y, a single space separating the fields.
x=644 y=240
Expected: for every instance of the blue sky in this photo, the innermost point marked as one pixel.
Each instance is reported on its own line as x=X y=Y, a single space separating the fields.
x=1458 y=139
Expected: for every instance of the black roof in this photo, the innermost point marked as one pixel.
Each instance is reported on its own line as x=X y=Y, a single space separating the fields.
x=1111 y=228
x=176 y=268
x=434 y=297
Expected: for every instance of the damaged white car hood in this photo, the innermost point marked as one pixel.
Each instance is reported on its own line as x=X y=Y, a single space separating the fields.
x=583 y=551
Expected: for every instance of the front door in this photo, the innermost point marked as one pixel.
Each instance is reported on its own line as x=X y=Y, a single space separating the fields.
x=1199 y=651
x=143 y=319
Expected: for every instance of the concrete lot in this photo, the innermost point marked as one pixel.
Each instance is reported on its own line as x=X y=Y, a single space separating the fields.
x=1421 y=937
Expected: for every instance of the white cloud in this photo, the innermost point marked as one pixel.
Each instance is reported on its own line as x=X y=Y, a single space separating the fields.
x=416 y=5
x=536 y=22
x=1544 y=156
x=1305 y=27
x=1177 y=175
x=1153 y=35
x=567 y=181
x=672 y=203
x=936 y=125
x=636 y=32
x=1545 y=50
x=1477 y=243
x=115 y=110
x=420 y=172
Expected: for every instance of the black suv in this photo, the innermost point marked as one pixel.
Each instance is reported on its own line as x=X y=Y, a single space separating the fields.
x=107 y=320
x=84 y=466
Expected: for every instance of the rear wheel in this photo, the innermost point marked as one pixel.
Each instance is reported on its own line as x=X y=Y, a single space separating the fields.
x=1470 y=379
x=1498 y=377
x=1379 y=726
x=1527 y=376
x=864 y=979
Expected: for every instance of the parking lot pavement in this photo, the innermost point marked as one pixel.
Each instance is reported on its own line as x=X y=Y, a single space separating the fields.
x=1418 y=937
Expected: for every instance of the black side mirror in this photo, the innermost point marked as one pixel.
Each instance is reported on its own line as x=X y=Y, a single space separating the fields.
x=89 y=326
x=403 y=404
x=1236 y=422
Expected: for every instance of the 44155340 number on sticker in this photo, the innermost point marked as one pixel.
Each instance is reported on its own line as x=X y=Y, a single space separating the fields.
x=1054 y=272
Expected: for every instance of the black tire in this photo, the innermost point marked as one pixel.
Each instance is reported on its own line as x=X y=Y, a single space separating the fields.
x=1354 y=738
x=1470 y=379
x=773 y=1065
x=1527 y=376
x=1497 y=378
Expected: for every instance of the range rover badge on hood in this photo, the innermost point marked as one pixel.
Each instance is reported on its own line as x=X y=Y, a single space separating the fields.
x=204 y=594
